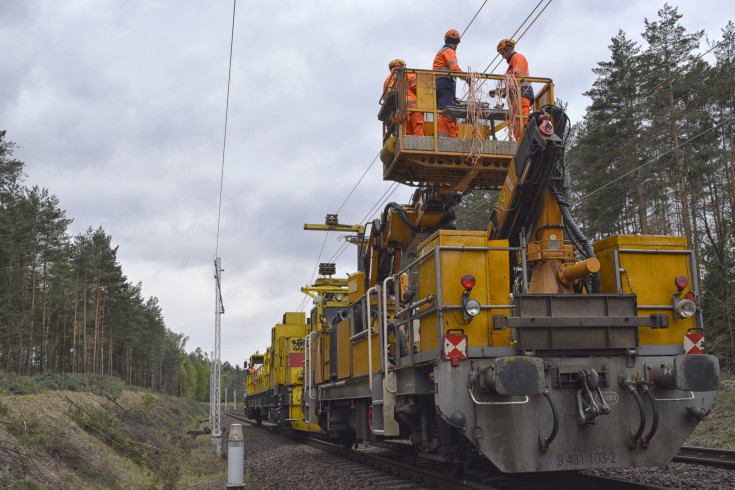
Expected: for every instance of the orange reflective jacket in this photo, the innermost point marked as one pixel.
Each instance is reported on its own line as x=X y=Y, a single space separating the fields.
x=446 y=59
x=518 y=67
x=411 y=89
x=390 y=84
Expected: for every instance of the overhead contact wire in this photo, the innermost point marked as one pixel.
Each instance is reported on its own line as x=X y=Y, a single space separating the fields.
x=358 y=182
x=655 y=129
x=224 y=140
x=326 y=235
x=519 y=28
x=473 y=18
x=638 y=99
x=649 y=162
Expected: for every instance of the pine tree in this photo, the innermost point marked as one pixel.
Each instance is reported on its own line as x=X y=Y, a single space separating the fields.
x=605 y=164
x=668 y=58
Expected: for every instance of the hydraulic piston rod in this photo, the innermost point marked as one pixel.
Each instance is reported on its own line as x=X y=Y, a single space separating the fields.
x=569 y=272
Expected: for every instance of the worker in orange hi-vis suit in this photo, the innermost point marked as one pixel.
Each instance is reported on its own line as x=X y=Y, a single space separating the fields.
x=414 y=120
x=446 y=60
x=518 y=67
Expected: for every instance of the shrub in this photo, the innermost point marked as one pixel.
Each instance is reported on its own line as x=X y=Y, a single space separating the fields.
x=12 y=384
x=88 y=383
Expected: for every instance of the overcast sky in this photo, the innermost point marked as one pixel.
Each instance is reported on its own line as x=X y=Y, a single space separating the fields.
x=118 y=108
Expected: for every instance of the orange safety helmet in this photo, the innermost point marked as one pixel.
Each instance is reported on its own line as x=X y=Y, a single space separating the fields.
x=452 y=36
x=504 y=43
x=396 y=62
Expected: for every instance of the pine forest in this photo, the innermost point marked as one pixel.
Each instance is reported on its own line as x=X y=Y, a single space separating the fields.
x=66 y=307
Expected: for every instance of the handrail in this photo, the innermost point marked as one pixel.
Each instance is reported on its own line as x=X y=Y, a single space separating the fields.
x=309 y=347
x=544 y=95
x=429 y=299
x=384 y=329
x=369 y=339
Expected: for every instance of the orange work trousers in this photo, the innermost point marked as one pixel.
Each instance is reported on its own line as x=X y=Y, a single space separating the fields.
x=415 y=124
x=447 y=127
x=515 y=128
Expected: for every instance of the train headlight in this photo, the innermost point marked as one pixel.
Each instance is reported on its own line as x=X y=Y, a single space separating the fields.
x=686 y=308
x=472 y=307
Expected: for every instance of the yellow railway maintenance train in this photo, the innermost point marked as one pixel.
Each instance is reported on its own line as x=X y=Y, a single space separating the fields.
x=275 y=386
x=523 y=343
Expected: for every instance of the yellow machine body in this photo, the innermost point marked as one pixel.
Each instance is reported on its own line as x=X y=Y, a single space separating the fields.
x=492 y=287
x=650 y=275
x=274 y=391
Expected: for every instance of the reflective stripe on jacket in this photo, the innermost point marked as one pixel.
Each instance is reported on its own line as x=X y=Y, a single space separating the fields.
x=411 y=99
x=518 y=67
x=446 y=59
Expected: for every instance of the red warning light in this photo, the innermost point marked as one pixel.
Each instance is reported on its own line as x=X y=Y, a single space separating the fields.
x=468 y=281
x=681 y=282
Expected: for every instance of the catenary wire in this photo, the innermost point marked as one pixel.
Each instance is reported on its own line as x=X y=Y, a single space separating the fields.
x=655 y=129
x=224 y=140
x=358 y=182
x=638 y=99
x=370 y=214
x=519 y=28
x=649 y=162
x=473 y=18
x=326 y=235
x=386 y=195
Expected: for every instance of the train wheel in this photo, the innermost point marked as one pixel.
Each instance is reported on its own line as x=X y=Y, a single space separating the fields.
x=452 y=470
x=348 y=440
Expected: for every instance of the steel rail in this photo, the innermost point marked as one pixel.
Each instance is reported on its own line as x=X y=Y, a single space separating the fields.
x=723 y=458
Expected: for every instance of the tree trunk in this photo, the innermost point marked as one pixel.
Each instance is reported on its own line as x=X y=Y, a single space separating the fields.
x=109 y=354
x=33 y=312
x=731 y=163
x=102 y=335
x=74 y=335
x=686 y=221
x=96 y=325
x=63 y=339
x=44 y=323
x=642 y=212
x=84 y=323
x=695 y=233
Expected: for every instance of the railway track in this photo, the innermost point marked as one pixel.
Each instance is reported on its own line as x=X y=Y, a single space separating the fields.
x=721 y=458
x=406 y=470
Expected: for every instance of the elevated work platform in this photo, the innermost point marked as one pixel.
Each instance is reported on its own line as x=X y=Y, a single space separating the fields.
x=455 y=163
x=479 y=158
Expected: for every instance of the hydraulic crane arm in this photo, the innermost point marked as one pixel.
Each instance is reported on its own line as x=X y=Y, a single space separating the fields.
x=526 y=183
x=403 y=226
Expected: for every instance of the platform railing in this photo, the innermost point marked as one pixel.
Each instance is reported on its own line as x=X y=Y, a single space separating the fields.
x=493 y=111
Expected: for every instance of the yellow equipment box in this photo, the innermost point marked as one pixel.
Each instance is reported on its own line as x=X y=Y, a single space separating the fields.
x=647 y=267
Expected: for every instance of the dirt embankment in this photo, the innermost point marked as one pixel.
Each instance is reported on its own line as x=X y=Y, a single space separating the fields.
x=134 y=439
